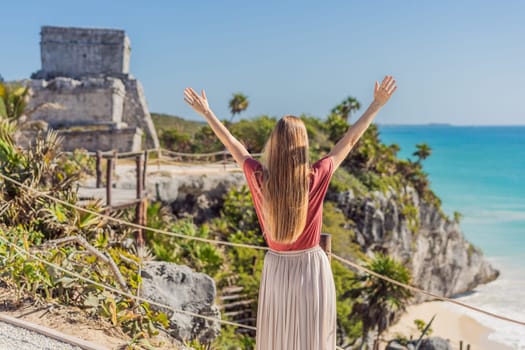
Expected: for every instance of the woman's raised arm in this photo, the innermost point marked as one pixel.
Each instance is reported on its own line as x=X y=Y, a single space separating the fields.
x=199 y=103
x=382 y=94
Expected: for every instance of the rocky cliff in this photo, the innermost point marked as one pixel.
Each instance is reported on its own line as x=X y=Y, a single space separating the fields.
x=442 y=261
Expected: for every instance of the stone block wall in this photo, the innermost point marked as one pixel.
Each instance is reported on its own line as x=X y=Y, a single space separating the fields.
x=121 y=140
x=86 y=72
x=87 y=102
x=76 y=52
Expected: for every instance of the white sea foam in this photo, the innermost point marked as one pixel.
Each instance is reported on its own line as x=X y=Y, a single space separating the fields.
x=506 y=297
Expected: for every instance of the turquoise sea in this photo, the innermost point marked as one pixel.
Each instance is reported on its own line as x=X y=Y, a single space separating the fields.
x=479 y=171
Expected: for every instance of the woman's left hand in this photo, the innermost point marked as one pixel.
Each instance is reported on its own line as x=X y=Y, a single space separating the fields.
x=197 y=102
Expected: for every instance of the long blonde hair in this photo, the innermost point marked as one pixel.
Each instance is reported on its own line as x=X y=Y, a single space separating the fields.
x=286 y=180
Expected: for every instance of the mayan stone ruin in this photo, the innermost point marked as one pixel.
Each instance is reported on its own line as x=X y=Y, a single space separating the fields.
x=102 y=106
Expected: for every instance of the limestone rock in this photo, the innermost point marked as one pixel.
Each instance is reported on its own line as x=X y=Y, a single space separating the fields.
x=181 y=288
x=431 y=343
x=435 y=343
x=440 y=258
x=196 y=195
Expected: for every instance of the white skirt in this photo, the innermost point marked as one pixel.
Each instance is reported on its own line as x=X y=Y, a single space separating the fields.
x=297 y=306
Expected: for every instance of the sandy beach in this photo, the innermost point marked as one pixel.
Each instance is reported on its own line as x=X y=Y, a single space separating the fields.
x=448 y=324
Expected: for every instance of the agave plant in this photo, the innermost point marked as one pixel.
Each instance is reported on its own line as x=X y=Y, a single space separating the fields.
x=13 y=101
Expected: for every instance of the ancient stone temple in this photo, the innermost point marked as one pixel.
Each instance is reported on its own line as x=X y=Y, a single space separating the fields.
x=86 y=72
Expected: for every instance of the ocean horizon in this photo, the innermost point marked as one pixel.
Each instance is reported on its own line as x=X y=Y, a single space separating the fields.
x=479 y=171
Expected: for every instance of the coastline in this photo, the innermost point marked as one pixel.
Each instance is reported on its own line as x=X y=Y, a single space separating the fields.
x=448 y=324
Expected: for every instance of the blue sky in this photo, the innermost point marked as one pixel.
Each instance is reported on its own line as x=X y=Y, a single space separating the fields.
x=459 y=62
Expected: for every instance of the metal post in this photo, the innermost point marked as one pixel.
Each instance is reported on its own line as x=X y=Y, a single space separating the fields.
x=326 y=244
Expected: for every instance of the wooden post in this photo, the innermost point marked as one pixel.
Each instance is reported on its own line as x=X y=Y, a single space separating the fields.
x=224 y=160
x=99 y=169
x=468 y=346
x=326 y=244
x=115 y=156
x=461 y=345
x=139 y=211
x=157 y=191
x=109 y=182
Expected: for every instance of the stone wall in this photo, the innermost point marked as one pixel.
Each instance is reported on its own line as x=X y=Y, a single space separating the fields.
x=90 y=101
x=76 y=52
x=121 y=140
x=136 y=112
x=86 y=72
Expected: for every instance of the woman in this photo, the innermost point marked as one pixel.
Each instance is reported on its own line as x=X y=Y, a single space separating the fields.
x=297 y=301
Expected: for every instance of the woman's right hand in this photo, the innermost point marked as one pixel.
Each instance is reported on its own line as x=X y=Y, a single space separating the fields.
x=383 y=92
x=198 y=103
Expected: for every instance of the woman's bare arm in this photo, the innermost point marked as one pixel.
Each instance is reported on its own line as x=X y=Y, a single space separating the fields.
x=382 y=94
x=199 y=103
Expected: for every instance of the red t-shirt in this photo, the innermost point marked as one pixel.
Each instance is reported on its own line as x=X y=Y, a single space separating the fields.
x=322 y=171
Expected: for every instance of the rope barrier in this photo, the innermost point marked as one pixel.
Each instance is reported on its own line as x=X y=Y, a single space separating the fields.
x=115 y=290
x=129 y=295
x=212 y=241
x=130 y=224
x=418 y=290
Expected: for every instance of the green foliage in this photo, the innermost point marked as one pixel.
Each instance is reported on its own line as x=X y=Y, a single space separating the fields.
x=457 y=217
x=201 y=256
x=421 y=325
x=346 y=107
x=33 y=277
x=205 y=141
x=335 y=127
x=164 y=122
x=342 y=231
x=28 y=221
x=13 y=101
x=79 y=162
x=378 y=300
x=343 y=181
x=175 y=140
x=422 y=152
x=320 y=144
x=238 y=104
x=411 y=213
x=253 y=133
x=229 y=339
x=349 y=326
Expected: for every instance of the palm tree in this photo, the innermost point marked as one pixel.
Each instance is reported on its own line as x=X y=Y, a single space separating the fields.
x=423 y=152
x=347 y=107
x=378 y=300
x=239 y=103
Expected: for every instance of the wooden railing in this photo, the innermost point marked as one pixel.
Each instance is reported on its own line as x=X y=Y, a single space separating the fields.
x=140 y=201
